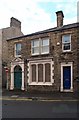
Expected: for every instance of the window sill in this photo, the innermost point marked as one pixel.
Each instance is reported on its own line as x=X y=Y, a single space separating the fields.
x=64 y=52
x=18 y=56
x=44 y=53
x=40 y=83
x=40 y=54
x=34 y=54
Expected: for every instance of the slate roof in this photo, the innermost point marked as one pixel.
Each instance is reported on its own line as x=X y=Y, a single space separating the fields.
x=64 y=27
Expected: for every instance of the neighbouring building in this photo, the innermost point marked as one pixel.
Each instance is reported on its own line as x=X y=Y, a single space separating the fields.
x=0 y=59
x=46 y=60
x=6 y=33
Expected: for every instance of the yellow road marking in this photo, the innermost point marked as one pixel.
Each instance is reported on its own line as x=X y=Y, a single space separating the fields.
x=59 y=100
x=46 y=100
x=18 y=99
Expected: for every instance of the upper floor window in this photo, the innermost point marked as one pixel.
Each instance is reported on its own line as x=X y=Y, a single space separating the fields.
x=66 y=42
x=18 y=49
x=45 y=46
x=40 y=46
x=35 y=46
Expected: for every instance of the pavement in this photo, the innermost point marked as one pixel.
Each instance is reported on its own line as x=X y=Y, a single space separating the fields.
x=44 y=96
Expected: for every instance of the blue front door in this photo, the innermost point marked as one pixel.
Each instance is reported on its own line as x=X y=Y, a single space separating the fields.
x=66 y=77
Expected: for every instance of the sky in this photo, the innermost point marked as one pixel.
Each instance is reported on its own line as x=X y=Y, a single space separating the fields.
x=37 y=15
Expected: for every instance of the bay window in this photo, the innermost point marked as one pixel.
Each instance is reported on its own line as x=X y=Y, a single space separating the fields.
x=40 y=72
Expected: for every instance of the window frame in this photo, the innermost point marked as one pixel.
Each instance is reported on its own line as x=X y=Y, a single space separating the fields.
x=63 y=43
x=32 y=47
x=40 y=46
x=16 y=50
x=43 y=62
x=45 y=46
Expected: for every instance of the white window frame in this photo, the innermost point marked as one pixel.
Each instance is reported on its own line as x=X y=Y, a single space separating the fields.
x=32 y=47
x=15 y=50
x=40 y=46
x=44 y=46
x=36 y=63
x=63 y=43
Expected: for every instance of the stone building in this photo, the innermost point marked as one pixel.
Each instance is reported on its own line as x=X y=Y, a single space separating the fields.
x=6 y=33
x=0 y=59
x=45 y=60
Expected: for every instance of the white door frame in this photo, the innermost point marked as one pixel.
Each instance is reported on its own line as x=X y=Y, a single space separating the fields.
x=21 y=64
x=63 y=65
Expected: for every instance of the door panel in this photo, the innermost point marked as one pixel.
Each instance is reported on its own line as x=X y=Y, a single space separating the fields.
x=66 y=77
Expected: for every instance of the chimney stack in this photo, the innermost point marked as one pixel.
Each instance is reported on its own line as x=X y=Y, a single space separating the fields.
x=60 y=17
x=15 y=23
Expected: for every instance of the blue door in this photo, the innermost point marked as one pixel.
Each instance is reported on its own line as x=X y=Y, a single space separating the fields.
x=66 y=77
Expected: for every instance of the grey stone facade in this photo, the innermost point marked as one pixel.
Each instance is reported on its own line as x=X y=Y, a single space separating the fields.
x=13 y=31
x=78 y=54
x=0 y=59
x=57 y=56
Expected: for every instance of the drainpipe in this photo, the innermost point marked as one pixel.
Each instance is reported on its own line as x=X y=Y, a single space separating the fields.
x=6 y=69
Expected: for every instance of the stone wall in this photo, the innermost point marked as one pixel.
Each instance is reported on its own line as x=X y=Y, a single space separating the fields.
x=0 y=58
x=13 y=31
x=8 y=33
x=55 y=52
x=78 y=59
x=60 y=57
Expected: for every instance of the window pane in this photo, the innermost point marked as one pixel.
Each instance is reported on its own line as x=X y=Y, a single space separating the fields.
x=18 y=52
x=66 y=39
x=67 y=46
x=40 y=73
x=33 y=73
x=45 y=42
x=18 y=49
x=18 y=46
x=35 y=43
x=47 y=72
x=45 y=49
x=35 y=50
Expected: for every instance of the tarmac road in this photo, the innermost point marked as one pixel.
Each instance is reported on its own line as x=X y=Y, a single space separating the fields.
x=39 y=109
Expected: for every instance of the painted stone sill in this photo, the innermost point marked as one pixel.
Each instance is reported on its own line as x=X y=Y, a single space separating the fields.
x=67 y=52
x=40 y=84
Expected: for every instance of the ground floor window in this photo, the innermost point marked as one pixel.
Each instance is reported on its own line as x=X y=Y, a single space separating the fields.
x=33 y=68
x=47 y=72
x=41 y=72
